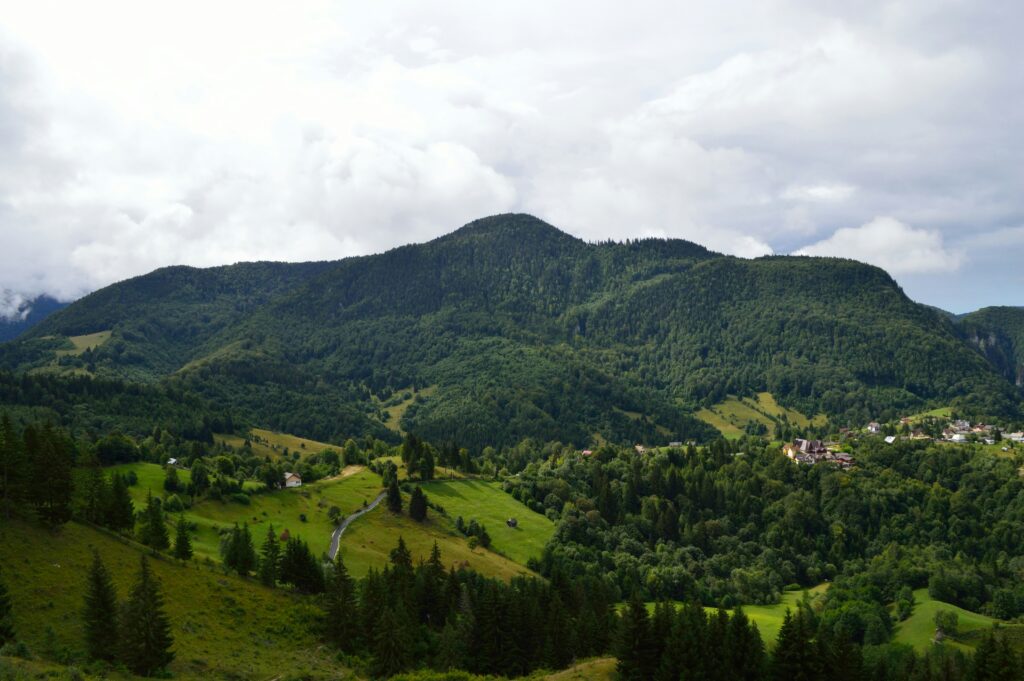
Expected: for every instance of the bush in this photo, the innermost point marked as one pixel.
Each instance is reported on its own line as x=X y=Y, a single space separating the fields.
x=241 y=498
x=173 y=504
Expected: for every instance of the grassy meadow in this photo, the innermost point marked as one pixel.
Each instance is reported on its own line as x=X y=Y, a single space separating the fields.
x=491 y=506
x=919 y=629
x=732 y=415
x=224 y=627
x=267 y=443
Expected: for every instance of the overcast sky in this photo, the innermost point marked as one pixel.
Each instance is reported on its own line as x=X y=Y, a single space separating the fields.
x=204 y=133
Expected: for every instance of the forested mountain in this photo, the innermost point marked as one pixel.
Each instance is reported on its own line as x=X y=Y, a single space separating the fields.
x=998 y=332
x=30 y=313
x=509 y=328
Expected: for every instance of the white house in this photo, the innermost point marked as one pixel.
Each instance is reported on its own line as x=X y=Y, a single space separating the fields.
x=292 y=480
x=958 y=437
x=890 y=439
x=874 y=427
x=172 y=462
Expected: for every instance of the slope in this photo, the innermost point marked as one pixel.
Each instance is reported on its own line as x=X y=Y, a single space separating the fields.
x=998 y=333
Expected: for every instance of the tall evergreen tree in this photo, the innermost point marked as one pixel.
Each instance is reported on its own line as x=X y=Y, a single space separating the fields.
x=182 y=539
x=145 y=629
x=794 y=657
x=418 y=505
x=270 y=559
x=6 y=614
x=342 y=610
x=153 y=528
x=12 y=466
x=51 y=461
x=120 y=511
x=100 y=615
x=634 y=647
x=392 y=645
x=394 y=496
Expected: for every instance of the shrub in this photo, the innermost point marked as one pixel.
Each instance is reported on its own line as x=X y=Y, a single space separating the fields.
x=241 y=498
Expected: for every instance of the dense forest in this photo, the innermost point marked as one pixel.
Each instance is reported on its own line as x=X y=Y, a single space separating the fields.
x=509 y=328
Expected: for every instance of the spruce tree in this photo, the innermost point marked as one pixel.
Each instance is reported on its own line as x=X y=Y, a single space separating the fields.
x=270 y=559
x=182 y=540
x=394 y=496
x=6 y=614
x=418 y=505
x=392 y=645
x=146 y=631
x=794 y=658
x=633 y=647
x=100 y=615
x=51 y=461
x=153 y=530
x=12 y=466
x=120 y=511
x=342 y=611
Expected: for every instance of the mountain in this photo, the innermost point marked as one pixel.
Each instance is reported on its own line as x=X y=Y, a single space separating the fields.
x=28 y=314
x=998 y=333
x=509 y=328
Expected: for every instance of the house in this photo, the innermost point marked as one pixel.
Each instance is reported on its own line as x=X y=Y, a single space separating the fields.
x=875 y=427
x=292 y=480
x=806 y=451
x=1016 y=437
x=890 y=439
x=958 y=437
x=172 y=462
x=587 y=452
x=675 y=444
x=512 y=522
x=640 y=449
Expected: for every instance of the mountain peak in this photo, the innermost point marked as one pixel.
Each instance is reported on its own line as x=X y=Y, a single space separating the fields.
x=510 y=225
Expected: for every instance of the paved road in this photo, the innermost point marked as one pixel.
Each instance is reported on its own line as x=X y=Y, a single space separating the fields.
x=336 y=537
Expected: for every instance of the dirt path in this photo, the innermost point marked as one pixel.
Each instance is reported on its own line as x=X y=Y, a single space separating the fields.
x=336 y=537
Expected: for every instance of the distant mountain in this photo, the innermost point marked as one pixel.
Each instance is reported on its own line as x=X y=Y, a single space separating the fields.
x=998 y=333
x=29 y=313
x=509 y=328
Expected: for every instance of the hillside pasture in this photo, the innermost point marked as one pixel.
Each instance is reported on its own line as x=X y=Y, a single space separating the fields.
x=223 y=627
x=918 y=630
x=86 y=342
x=732 y=415
x=490 y=505
x=267 y=443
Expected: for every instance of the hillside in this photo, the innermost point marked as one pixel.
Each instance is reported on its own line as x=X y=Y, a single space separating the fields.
x=28 y=315
x=998 y=333
x=509 y=328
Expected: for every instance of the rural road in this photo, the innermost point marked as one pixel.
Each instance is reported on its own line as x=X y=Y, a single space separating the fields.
x=336 y=537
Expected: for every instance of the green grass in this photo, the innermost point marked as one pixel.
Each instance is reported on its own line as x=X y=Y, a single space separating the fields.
x=223 y=627
x=368 y=542
x=396 y=412
x=267 y=443
x=280 y=508
x=491 y=506
x=769 y=617
x=732 y=415
x=598 y=669
x=82 y=343
x=919 y=629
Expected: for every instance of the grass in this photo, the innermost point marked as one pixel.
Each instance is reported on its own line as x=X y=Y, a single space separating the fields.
x=439 y=471
x=281 y=508
x=769 y=617
x=598 y=669
x=732 y=415
x=223 y=627
x=367 y=543
x=919 y=629
x=267 y=443
x=86 y=342
x=395 y=412
x=491 y=506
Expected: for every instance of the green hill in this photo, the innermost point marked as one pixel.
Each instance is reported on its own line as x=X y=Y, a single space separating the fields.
x=223 y=627
x=998 y=333
x=520 y=330
x=918 y=630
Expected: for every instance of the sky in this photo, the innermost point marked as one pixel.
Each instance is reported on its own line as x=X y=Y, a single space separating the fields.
x=139 y=135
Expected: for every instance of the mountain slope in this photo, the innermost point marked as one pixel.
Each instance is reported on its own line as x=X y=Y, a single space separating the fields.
x=29 y=314
x=521 y=330
x=998 y=333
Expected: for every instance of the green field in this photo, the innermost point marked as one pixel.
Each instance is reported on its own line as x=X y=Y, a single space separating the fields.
x=87 y=342
x=491 y=506
x=919 y=629
x=732 y=415
x=395 y=408
x=267 y=443
x=281 y=508
x=769 y=617
x=223 y=627
x=368 y=542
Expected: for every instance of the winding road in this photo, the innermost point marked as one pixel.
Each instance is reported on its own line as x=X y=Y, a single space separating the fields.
x=336 y=537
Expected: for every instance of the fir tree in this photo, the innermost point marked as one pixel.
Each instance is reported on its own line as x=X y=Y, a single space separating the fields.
x=392 y=646
x=794 y=658
x=100 y=615
x=12 y=466
x=120 y=511
x=394 y=496
x=153 y=530
x=146 y=632
x=50 y=463
x=182 y=540
x=418 y=505
x=634 y=648
x=342 y=610
x=6 y=614
x=270 y=559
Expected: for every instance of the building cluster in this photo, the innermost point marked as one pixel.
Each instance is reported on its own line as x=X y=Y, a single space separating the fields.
x=812 y=452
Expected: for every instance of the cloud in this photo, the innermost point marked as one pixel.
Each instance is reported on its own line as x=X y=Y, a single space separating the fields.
x=13 y=306
x=206 y=134
x=891 y=245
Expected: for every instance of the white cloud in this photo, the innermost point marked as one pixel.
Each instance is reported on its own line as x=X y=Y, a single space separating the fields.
x=890 y=244
x=135 y=136
x=13 y=306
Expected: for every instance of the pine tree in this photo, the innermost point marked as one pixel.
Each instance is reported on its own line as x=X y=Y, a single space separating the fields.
x=342 y=611
x=120 y=512
x=100 y=616
x=182 y=540
x=51 y=461
x=12 y=466
x=794 y=658
x=6 y=614
x=270 y=559
x=394 y=496
x=418 y=505
x=153 y=531
x=392 y=646
x=745 y=648
x=634 y=648
x=146 y=632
